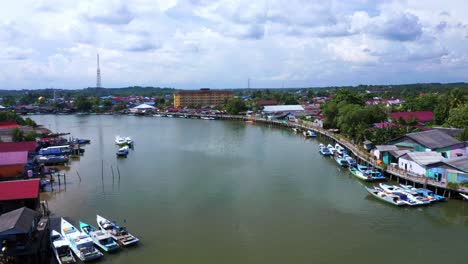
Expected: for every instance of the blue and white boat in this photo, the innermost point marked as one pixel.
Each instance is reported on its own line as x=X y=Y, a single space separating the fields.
x=385 y=197
x=56 y=150
x=339 y=149
x=325 y=151
x=119 y=234
x=341 y=161
x=61 y=248
x=351 y=161
x=364 y=173
x=311 y=133
x=414 y=200
x=100 y=238
x=80 y=243
x=122 y=152
x=428 y=194
x=331 y=149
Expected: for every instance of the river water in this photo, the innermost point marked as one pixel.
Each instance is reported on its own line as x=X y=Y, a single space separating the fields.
x=198 y=191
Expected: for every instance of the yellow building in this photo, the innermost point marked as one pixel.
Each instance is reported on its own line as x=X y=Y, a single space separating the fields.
x=202 y=97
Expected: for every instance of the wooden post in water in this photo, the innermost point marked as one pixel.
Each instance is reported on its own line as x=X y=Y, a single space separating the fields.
x=112 y=170
x=79 y=177
x=102 y=174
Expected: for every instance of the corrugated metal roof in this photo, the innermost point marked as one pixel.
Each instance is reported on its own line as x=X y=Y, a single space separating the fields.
x=22 y=189
x=386 y=147
x=8 y=125
x=425 y=158
x=433 y=139
x=13 y=158
x=18 y=146
x=283 y=108
x=18 y=221
x=399 y=153
x=460 y=163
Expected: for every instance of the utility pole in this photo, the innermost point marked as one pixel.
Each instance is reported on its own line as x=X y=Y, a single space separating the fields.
x=98 y=74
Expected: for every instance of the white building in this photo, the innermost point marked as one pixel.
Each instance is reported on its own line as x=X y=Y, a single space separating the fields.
x=417 y=162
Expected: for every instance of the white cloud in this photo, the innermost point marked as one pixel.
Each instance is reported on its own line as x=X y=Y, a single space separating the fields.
x=194 y=43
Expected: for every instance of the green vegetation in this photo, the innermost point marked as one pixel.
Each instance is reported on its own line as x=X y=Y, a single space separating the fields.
x=347 y=112
x=17 y=135
x=235 y=105
x=7 y=116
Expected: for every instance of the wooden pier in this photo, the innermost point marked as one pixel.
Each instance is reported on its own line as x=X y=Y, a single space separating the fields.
x=362 y=156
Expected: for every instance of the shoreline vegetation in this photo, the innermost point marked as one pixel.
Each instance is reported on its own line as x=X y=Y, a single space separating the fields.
x=350 y=115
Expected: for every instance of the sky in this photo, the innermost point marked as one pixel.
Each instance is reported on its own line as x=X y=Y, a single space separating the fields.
x=220 y=44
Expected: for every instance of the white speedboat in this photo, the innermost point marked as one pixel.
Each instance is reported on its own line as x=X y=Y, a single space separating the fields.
x=120 y=140
x=100 y=238
x=122 y=152
x=119 y=234
x=385 y=197
x=331 y=148
x=61 y=248
x=465 y=196
x=410 y=198
x=207 y=118
x=80 y=243
x=129 y=141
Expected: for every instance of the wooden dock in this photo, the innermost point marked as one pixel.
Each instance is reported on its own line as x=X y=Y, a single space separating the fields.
x=362 y=156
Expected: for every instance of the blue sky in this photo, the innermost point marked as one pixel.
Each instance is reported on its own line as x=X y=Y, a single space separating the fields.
x=219 y=44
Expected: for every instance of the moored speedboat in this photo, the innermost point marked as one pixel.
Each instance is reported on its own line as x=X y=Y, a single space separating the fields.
x=129 y=141
x=80 y=243
x=410 y=198
x=119 y=234
x=311 y=133
x=341 y=161
x=120 y=140
x=325 y=151
x=385 y=197
x=428 y=194
x=359 y=174
x=331 y=148
x=351 y=161
x=61 y=248
x=100 y=238
x=122 y=152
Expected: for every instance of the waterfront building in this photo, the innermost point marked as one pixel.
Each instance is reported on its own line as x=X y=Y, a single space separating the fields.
x=432 y=140
x=24 y=236
x=421 y=117
x=417 y=162
x=12 y=164
x=448 y=170
x=382 y=152
x=202 y=97
x=16 y=194
x=275 y=112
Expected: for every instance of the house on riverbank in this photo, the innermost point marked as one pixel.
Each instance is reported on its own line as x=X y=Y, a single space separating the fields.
x=432 y=140
x=24 y=235
x=16 y=194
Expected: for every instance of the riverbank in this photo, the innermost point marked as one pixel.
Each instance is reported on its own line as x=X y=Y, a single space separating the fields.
x=364 y=157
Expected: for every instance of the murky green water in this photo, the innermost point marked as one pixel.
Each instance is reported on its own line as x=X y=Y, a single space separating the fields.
x=197 y=191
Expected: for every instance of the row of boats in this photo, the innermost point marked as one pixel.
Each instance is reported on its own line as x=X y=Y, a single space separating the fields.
x=346 y=161
x=184 y=116
x=87 y=242
x=125 y=143
x=402 y=195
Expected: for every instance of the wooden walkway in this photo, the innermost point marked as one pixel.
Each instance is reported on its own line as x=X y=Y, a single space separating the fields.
x=393 y=173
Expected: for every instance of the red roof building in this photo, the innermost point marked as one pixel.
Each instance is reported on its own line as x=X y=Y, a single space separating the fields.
x=8 y=125
x=12 y=163
x=422 y=116
x=16 y=194
x=22 y=189
x=18 y=146
x=266 y=102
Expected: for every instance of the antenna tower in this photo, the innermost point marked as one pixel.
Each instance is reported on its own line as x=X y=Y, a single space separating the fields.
x=98 y=74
